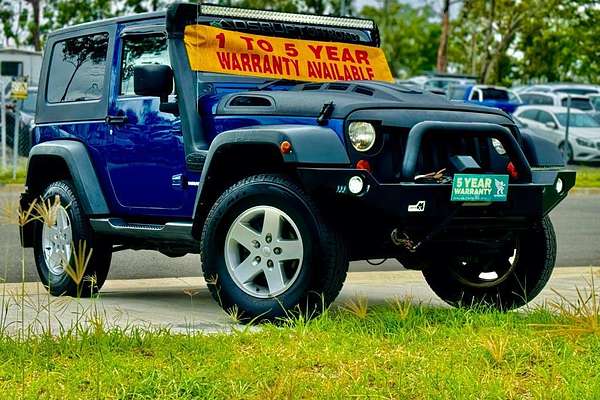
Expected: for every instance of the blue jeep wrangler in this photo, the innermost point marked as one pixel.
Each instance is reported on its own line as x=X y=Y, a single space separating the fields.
x=278 y=183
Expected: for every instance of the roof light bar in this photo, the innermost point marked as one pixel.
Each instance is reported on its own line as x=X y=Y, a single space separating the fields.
x=231 y=12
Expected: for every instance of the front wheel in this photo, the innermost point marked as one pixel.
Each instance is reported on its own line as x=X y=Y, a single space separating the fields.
x=267 y=251
x=506 y=279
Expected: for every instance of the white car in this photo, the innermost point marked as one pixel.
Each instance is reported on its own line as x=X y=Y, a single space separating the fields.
x=569 y=88
x=580 y=102
x=550 y=122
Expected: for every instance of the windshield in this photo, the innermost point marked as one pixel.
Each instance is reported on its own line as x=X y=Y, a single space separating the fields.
x=494 y=94
x=578 y=120
x=457 y=92
x=578 y=103
x=576 y=90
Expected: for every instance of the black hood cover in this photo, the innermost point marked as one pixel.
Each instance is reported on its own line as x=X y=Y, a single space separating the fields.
x=307 y=100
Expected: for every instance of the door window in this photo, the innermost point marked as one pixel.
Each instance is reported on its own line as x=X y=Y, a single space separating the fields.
x=529 y=114
x=77 y=70
x=545 y=117
x=138 y=50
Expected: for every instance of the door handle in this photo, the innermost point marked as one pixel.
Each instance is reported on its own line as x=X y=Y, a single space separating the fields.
x=116 y=119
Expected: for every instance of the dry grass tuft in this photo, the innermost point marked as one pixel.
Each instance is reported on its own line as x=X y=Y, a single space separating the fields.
x=401 y=306
x=47 y=210
x=579 y=317
x=496 y=347
x=359 y=306
x=81 y=258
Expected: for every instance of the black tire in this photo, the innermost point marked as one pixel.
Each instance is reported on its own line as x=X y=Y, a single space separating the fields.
x=99 y=264
x=531 y=269
x=570 y=156
x=322 y=271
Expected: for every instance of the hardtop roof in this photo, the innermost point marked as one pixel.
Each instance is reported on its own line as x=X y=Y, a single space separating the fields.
x=111 y=21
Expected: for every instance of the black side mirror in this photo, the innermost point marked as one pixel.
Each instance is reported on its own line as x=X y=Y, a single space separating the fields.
x=153 y=80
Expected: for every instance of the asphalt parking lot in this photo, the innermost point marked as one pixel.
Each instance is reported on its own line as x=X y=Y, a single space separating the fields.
x=576 y=222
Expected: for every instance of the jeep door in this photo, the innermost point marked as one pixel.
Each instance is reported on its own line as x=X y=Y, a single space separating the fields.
x=147 y=152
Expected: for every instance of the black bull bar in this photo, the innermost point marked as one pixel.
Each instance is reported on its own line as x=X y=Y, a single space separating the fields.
x=532 y=196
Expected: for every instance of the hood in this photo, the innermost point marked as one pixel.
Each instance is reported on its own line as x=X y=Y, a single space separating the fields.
x=307 y=100
x=588 y=133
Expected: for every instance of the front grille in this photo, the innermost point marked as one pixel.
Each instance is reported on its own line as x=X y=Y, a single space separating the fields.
x=434 y=155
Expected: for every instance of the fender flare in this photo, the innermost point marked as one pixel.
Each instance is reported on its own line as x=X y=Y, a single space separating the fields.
x=312 y=145
x=76 y=157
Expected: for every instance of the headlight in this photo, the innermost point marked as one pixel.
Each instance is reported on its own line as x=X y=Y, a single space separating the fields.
x=584 y=142
x=498 y=147
x=362 y=135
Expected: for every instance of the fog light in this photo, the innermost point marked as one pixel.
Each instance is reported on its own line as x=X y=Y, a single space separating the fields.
x=355 y=185
x=559 y=185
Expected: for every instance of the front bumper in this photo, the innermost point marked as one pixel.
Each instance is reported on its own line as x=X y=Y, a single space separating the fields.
x=585 y=153
x=526 y=201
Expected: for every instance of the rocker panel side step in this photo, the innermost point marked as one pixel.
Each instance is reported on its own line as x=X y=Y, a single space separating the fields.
x=171 y=231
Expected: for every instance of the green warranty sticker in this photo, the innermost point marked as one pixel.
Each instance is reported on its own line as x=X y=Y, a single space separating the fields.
x=472 y=187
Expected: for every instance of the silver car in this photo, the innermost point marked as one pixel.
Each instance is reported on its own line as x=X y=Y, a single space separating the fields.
x=550 y=122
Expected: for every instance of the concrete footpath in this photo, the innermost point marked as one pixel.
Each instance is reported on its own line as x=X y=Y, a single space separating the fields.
x=184 y=304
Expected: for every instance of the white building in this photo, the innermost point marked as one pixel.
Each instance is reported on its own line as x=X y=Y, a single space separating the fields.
x=19 y=62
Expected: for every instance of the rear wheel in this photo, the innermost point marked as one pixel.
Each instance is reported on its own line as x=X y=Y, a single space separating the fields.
x=506 y=279
x=57 y=242
x=267 y=251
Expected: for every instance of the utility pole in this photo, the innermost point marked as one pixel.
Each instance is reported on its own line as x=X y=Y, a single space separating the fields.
x=3 y=120
x=566 y=145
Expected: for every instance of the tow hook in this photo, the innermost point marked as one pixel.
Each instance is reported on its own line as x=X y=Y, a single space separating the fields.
x=402 y=239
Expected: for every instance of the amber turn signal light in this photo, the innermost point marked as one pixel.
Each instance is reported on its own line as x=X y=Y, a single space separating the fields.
x=285 y=147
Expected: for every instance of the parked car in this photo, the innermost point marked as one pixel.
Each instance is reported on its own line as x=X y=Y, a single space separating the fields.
x=559 y=99
x=26 y=123
x=489 y=96
x=441 y=82
x=278 y=183
x=595 y=101
x=569 y=88
x=550 y=122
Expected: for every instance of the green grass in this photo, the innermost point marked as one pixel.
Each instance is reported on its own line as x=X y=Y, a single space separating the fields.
x=588 y=177
x=401 y=351
x=6 y=175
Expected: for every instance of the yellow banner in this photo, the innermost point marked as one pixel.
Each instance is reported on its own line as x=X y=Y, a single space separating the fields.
x=213 y=49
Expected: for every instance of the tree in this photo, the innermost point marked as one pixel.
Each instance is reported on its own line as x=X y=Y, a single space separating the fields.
x=487 y=31
x=34 y=25
x=442 y=53
x=409 y=36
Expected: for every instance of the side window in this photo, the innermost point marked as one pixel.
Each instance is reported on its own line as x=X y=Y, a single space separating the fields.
x=137 y=50
x=545 y=117
x=529 y=114
x=77 y=69
x=11 y=68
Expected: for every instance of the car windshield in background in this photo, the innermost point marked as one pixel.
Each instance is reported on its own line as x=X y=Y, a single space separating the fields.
x=529 y=98
x=28 y=105
x=578 y=120
x=578 y=103
x=457 y=92
x=577 y=91
x=494 y=94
